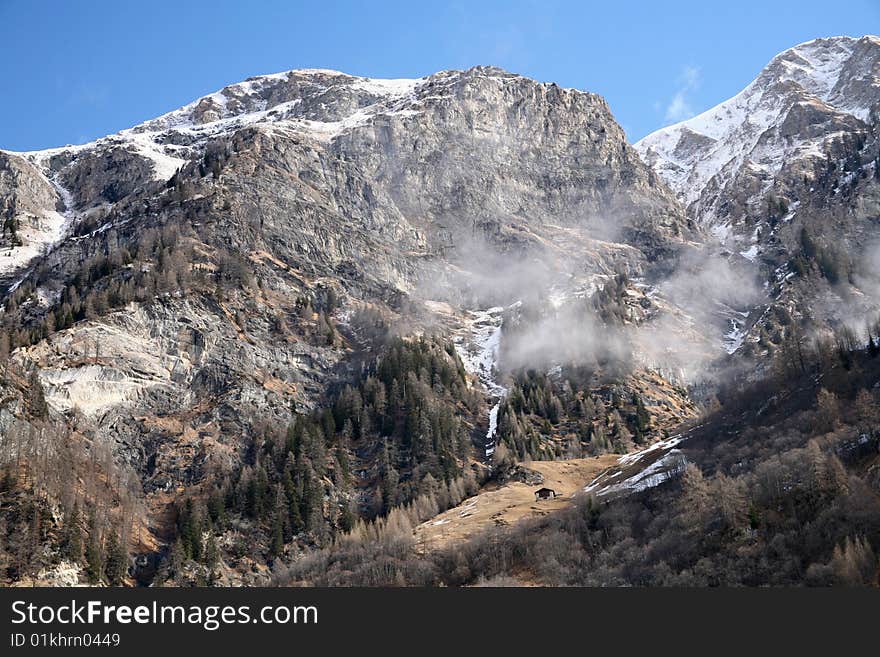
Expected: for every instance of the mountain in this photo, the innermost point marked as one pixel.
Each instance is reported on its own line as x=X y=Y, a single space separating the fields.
x=210 y=300
x=314 y=322
x=778 y=481
x=338 y=115
x=808 y=104
x=784 y=176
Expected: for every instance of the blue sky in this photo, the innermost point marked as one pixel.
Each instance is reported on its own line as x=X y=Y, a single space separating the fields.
x=77 y=70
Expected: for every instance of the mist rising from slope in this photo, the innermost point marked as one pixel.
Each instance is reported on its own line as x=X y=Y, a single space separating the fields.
x=672 y=323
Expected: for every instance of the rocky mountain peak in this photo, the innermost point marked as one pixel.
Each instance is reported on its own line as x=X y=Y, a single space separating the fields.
x=317 y=95
x=388 y=129
x=833 y=83
x=785 y=176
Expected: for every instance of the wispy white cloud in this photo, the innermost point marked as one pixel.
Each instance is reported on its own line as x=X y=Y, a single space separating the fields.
x=90 y=95
x=679 y=107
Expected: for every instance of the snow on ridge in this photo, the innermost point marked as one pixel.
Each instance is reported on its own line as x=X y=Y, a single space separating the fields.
x=734 y=127
x=388 y=87
x=164 y=165
x=150 y=138
x=245 y=103
x=219 y=101
x=153 y=139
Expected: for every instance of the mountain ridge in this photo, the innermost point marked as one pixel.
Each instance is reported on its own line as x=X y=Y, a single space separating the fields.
x=314 y=104
x=767 y=97
x=789 y=163
x=311 y=306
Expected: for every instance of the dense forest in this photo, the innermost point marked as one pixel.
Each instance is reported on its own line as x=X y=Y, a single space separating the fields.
x=394 y=440
x=584 y=420
x=779 y=473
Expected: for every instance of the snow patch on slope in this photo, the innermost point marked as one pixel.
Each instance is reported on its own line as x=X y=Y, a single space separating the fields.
x=49 y=229
x=478 y=349
x=164 y=165
x=641 y=470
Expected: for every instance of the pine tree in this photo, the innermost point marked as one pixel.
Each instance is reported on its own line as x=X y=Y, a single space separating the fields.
x=854 y=564
x=694 y=502
x=732 y=501
x=280 y=523
x=643 y=418
x=94 y=553
x=347 y=518
x=212 y=552
x=276 y=547
x=4 y=349
x=176 y=561
x=808 y=246
x=217 y=507
x=71 y=538
x=827 y=410
x=117 y=560
x=866 y=411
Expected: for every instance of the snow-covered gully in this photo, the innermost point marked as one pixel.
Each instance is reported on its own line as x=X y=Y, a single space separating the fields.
x=56 y=225
x=478 y=349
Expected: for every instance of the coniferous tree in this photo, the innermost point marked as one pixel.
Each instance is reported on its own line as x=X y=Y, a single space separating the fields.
x=808 y=246
x=212 y=552
x=94 y=553
x=117 y=560
x=71 y=538
x=38 y=406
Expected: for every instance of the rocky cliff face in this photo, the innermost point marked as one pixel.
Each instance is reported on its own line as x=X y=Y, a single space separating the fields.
x=424 y=165
x=374 y=185
x=29 y=213
x=205 y=270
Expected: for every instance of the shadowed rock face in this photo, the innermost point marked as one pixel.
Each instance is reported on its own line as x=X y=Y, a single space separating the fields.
x=104 y=176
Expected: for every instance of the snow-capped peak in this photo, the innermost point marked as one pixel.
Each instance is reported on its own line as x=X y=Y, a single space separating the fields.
x=307 y=94
x=318 y=102
x=838 y=75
